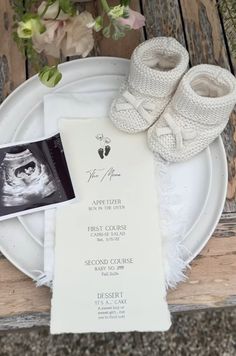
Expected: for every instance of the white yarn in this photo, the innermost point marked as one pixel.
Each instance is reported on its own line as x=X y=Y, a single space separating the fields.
x=196 y=115
x=173 y=217
x=157 y=66
x=46 y=277
x=42 y=279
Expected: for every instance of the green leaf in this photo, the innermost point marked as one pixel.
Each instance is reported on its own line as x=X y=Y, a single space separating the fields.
x=98 y=24
x=67 y=7
x=50 y=76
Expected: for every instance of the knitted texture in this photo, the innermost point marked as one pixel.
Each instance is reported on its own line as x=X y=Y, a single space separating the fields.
x=196 y=115
x=156 y=68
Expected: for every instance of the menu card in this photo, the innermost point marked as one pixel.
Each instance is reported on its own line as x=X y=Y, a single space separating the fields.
x=108 y=261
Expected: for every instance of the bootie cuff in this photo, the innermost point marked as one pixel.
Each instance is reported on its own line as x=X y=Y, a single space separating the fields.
x=157 y=66
x=206 y=94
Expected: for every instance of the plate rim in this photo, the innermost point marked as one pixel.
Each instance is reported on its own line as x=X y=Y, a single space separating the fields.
x=61 y=66
x=222 y=203
x=106 y=58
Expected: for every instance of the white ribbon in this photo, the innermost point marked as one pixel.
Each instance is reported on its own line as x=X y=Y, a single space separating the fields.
x=139 y=104
x=180 y=134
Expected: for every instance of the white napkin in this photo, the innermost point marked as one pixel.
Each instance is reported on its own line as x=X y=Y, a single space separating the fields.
x=91 y=104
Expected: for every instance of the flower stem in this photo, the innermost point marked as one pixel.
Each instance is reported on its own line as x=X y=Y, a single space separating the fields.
x=105 y=6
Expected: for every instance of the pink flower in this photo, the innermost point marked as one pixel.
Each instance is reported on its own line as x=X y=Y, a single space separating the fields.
x=135 y=20
x=78 y=38
x=71 y=37
x=52 y=11
x=50 y=40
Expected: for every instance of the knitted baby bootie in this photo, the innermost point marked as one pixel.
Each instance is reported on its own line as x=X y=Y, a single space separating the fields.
x=196 y=115
x=156 y=68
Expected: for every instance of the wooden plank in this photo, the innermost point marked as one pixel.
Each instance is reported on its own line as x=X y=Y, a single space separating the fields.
x=211 y=283
x=204 y=32
x=12 y=64
x=25 y=321
x=19 y=294
x=123 y=47
x=163 y=19
x=82 y=5
x=227 y=226
x=47 y=60
x=225 y=15
x=205 y=42
x=211 y=280
x=104 y=46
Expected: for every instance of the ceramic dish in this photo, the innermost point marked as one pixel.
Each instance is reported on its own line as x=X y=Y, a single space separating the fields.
x=21 y=240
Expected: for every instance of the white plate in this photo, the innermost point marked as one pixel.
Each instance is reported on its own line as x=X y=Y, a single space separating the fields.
x=22 y=118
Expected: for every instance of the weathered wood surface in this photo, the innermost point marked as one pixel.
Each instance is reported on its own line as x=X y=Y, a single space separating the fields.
x=211 y=283
x=163 y=19
x=205 y=42
x=121 y=48
x=12 y=64
x=211 y=280
x=227 y=31
x=196 y=24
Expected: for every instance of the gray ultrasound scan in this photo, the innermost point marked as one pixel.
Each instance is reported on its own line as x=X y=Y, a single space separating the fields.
x=33 y=175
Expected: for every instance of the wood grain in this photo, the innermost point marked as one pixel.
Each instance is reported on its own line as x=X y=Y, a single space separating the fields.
x=196 y=24
x=82 y=5
x=205 y=42
x=211 y=280
x=227 y=31
x=163 y=19
x=204 y=32
x=211 y=283
x=12 y=64
x=46 y=60
x=18 y=294
x=24 y=321
x=122 y=47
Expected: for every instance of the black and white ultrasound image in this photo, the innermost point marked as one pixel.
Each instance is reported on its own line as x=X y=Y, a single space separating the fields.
x=33 y=175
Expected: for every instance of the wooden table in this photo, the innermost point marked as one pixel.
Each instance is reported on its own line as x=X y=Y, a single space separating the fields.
x=212 y=278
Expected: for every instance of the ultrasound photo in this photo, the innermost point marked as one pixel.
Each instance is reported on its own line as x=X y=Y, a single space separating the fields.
x=33 y=176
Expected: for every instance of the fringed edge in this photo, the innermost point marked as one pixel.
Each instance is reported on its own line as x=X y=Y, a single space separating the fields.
x=172 y=227
x=43 y=279
x=172 y=230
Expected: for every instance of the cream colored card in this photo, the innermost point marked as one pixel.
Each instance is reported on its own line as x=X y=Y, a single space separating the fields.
x=108 y=263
